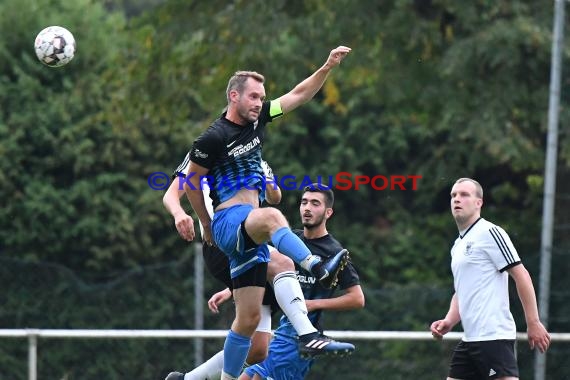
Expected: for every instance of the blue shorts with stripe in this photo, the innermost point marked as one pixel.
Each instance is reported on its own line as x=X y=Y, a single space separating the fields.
x=229 y=237
x=283 y=361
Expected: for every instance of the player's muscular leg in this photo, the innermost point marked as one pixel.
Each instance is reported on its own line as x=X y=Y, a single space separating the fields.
x=279 y=263
x=262 y=222
x=248 y=309
x=259 y=346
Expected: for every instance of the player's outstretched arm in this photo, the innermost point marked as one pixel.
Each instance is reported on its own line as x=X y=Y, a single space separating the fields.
x=307 y=89
x=183 y=222
x=353 y=298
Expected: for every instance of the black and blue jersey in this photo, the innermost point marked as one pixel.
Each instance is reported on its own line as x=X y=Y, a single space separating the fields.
x=232 y=153
x=324 y=247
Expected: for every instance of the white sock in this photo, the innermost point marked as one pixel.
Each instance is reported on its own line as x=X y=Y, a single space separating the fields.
x=264 y=324
x=211 y=369
x=308 y=263
x=225 y=376
x=292 y=301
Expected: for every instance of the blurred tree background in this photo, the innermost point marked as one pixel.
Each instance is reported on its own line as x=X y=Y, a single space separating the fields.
x=436 y=88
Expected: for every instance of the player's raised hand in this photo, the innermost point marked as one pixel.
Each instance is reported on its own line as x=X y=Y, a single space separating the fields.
x=337 y=55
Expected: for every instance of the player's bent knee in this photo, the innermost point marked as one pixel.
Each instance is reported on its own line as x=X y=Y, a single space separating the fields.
x=249 y=288
x=279 y=263
x=269 y=217
x=246 y=322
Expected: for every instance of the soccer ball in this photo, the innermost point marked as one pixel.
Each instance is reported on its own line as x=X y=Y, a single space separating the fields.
x=55 y=46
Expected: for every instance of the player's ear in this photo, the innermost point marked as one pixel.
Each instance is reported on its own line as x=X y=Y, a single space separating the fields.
x=234 y=95
x=328 y=212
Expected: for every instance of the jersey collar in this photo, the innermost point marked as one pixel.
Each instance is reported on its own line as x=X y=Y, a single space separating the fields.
x=469 y=229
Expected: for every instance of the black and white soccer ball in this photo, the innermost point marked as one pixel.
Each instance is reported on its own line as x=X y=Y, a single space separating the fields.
x=55 y=46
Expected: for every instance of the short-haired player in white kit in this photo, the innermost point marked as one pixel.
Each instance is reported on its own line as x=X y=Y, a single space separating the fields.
x=482 y=259
x=282 y=291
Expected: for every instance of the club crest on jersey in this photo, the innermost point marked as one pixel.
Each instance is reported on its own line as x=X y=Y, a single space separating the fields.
x=468 y=248
x=200 y=154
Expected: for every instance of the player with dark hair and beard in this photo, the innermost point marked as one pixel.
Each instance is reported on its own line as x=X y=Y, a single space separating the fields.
x=284 y=360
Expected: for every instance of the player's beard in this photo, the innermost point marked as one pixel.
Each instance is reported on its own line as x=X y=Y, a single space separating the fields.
x=245 y=114
x=316 y=222
x=462 y=219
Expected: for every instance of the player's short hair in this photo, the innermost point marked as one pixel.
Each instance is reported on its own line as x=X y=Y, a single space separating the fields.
x=478 y=187
x=320 y=188
x=237 y=81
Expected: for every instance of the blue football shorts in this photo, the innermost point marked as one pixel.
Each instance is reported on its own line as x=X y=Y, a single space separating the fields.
x=283 y=361
x=229 y=237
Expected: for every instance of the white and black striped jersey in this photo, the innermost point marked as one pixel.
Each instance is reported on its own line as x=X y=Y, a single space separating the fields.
x=479 y=260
